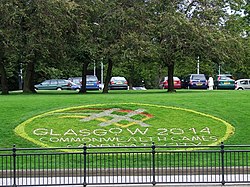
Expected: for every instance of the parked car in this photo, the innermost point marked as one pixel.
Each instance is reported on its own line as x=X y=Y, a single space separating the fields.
x=198 y=81
x=224 y=81
x=76 y=87
x=164 y=83
x=92 y=82
x=54 y=84
x=118 y=83
x=242 y=84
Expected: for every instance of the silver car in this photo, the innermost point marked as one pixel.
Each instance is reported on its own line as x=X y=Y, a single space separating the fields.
x=242 y=84
x=54 y=84
x=118 y=83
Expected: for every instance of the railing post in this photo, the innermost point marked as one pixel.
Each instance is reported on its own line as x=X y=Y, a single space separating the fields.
x=14 y=165
x=222 y=163
x=153 y=163
x=85 y=165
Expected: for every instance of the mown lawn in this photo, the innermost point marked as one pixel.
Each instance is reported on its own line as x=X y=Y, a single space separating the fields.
x=229 y=105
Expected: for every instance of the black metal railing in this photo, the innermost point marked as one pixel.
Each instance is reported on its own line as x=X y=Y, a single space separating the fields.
x=124 y=165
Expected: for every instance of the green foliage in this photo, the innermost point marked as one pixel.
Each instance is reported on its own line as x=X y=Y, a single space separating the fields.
x=142 y=38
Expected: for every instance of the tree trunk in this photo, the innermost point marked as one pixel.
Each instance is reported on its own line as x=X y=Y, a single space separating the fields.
x=131 y=77
x=159 y=75
x=28 y=86
x=131 y=83
x=171 y=77
x=84 y=79
x=4 y=81
x=108 y=76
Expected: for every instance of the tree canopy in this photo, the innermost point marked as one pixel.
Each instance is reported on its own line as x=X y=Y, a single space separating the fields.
x=141 y=40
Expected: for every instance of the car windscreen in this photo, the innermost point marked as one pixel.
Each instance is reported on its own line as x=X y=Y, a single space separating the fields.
x=92 y=78
x=229 y=76
x=225 y=78
x=119 y=79
x=76 y=80
x=175 y=78
x=46 y=82
x=198 y=77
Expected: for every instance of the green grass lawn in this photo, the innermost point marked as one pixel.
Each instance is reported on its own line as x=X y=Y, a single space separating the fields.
x=228 y=105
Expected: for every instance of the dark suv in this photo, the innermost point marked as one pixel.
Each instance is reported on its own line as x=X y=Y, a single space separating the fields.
x=195 y=81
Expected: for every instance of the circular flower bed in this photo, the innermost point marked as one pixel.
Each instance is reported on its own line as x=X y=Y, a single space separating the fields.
x=124 y=124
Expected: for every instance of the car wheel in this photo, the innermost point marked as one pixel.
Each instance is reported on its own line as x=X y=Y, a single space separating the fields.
x=77 y=89
x=240 y=88
x=59 y=89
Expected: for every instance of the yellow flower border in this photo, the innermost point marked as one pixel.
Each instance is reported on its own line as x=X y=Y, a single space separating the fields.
x=19 y=130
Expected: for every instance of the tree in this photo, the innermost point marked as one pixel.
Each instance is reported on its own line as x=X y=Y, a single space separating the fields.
x=8 y=24
x=174 y=36
x=187 y=29
x=238 y=25
x=223 y=21
x=115 y=21
x=40 y=32
x=82 y=44
x=49 y=35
